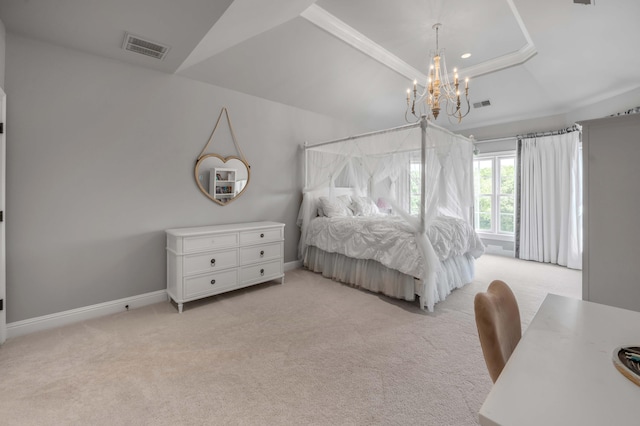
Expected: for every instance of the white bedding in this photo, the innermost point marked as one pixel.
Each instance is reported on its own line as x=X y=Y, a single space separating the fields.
x=391 y=241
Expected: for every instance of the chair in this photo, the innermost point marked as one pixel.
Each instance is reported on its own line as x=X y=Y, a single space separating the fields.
x=498 y=322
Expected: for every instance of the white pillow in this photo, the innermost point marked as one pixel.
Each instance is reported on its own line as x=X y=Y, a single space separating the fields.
x=364 y=206
x=335 y=207
x=346 y=200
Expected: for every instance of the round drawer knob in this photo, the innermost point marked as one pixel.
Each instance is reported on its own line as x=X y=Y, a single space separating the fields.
x=261 y=253
x=213 y=282
x=213 y=262
x=261 y=235
x=261 y=272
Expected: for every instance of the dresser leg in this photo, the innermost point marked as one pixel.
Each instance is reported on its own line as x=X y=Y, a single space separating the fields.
x=180 y=308
x=282 y=280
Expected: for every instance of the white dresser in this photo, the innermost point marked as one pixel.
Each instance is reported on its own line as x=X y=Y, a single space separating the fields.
x=208 y=260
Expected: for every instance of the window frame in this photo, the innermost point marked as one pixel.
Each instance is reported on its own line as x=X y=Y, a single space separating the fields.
x=495 y=157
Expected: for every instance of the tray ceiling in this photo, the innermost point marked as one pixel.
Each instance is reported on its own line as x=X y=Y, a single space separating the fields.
x=354 y=59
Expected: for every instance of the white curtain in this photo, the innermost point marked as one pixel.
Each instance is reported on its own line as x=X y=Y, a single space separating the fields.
x=550 y=200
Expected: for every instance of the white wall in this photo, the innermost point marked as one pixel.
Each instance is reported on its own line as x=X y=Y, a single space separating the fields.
x=100 y=163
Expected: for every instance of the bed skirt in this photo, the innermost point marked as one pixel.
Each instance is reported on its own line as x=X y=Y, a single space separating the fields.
x=373 y=276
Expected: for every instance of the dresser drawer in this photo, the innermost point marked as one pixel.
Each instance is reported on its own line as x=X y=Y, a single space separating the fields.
x=261 y=236
x=210 y=242
x=210 y=262
x=261 y=272
x=261 y=253
x=210 y=284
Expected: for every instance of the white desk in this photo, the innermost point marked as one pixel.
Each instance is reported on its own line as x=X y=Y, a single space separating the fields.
x=561 y=372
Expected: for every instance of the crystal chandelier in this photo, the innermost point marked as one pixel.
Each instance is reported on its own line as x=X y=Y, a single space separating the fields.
x=439 y=93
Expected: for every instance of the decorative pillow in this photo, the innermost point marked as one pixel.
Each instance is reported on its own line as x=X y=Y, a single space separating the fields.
x=334 y=207
x=383 y=206
x=364 y=206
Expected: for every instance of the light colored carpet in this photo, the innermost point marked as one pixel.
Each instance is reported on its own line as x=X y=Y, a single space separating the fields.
x=311 y=351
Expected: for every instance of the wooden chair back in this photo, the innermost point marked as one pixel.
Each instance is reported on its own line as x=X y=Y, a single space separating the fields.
x=498 y=321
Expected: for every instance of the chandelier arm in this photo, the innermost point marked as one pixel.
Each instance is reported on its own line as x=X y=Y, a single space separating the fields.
x=407 y=117
x=468 y=107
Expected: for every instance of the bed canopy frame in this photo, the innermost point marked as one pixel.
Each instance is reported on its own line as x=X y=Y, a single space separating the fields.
x=379 y=165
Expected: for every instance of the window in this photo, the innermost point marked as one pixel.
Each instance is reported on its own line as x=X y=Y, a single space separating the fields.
x=494 y=198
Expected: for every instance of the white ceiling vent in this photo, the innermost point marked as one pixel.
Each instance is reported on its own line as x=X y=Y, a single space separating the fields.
x=482 y=104
x=144 y=47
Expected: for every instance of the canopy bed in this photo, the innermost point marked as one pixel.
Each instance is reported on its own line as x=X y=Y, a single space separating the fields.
x=391 y=212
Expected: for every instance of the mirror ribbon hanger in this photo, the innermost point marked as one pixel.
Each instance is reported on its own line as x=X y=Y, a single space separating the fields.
x=227 y=177
x=233 y=137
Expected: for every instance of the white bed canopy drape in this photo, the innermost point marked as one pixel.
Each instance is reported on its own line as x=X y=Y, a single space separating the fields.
x=378 y=165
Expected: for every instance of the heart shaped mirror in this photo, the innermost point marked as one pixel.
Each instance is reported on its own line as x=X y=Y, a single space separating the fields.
x=221 y=179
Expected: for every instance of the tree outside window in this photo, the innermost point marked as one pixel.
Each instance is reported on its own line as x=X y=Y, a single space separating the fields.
x=494 y=188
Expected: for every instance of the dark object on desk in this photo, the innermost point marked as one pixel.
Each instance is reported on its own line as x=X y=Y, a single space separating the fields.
x=627 y=361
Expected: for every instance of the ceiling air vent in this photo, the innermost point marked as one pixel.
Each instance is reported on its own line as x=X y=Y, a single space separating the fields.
x=144 y=47
x=482 y=104
x=587 y=2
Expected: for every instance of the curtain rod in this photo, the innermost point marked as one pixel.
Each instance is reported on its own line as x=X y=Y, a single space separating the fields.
x=573 y=128
x=569 y=129
x=635 y=110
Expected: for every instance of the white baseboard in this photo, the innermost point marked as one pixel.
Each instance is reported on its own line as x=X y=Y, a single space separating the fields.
x=289 y=266
x=491 y=249
x=58 y=319
x=31 y=325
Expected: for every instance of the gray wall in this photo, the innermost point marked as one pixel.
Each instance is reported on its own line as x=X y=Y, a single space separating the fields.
x=100 y=163
x=2 y=53
x=612 y=199
x=496 y=146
